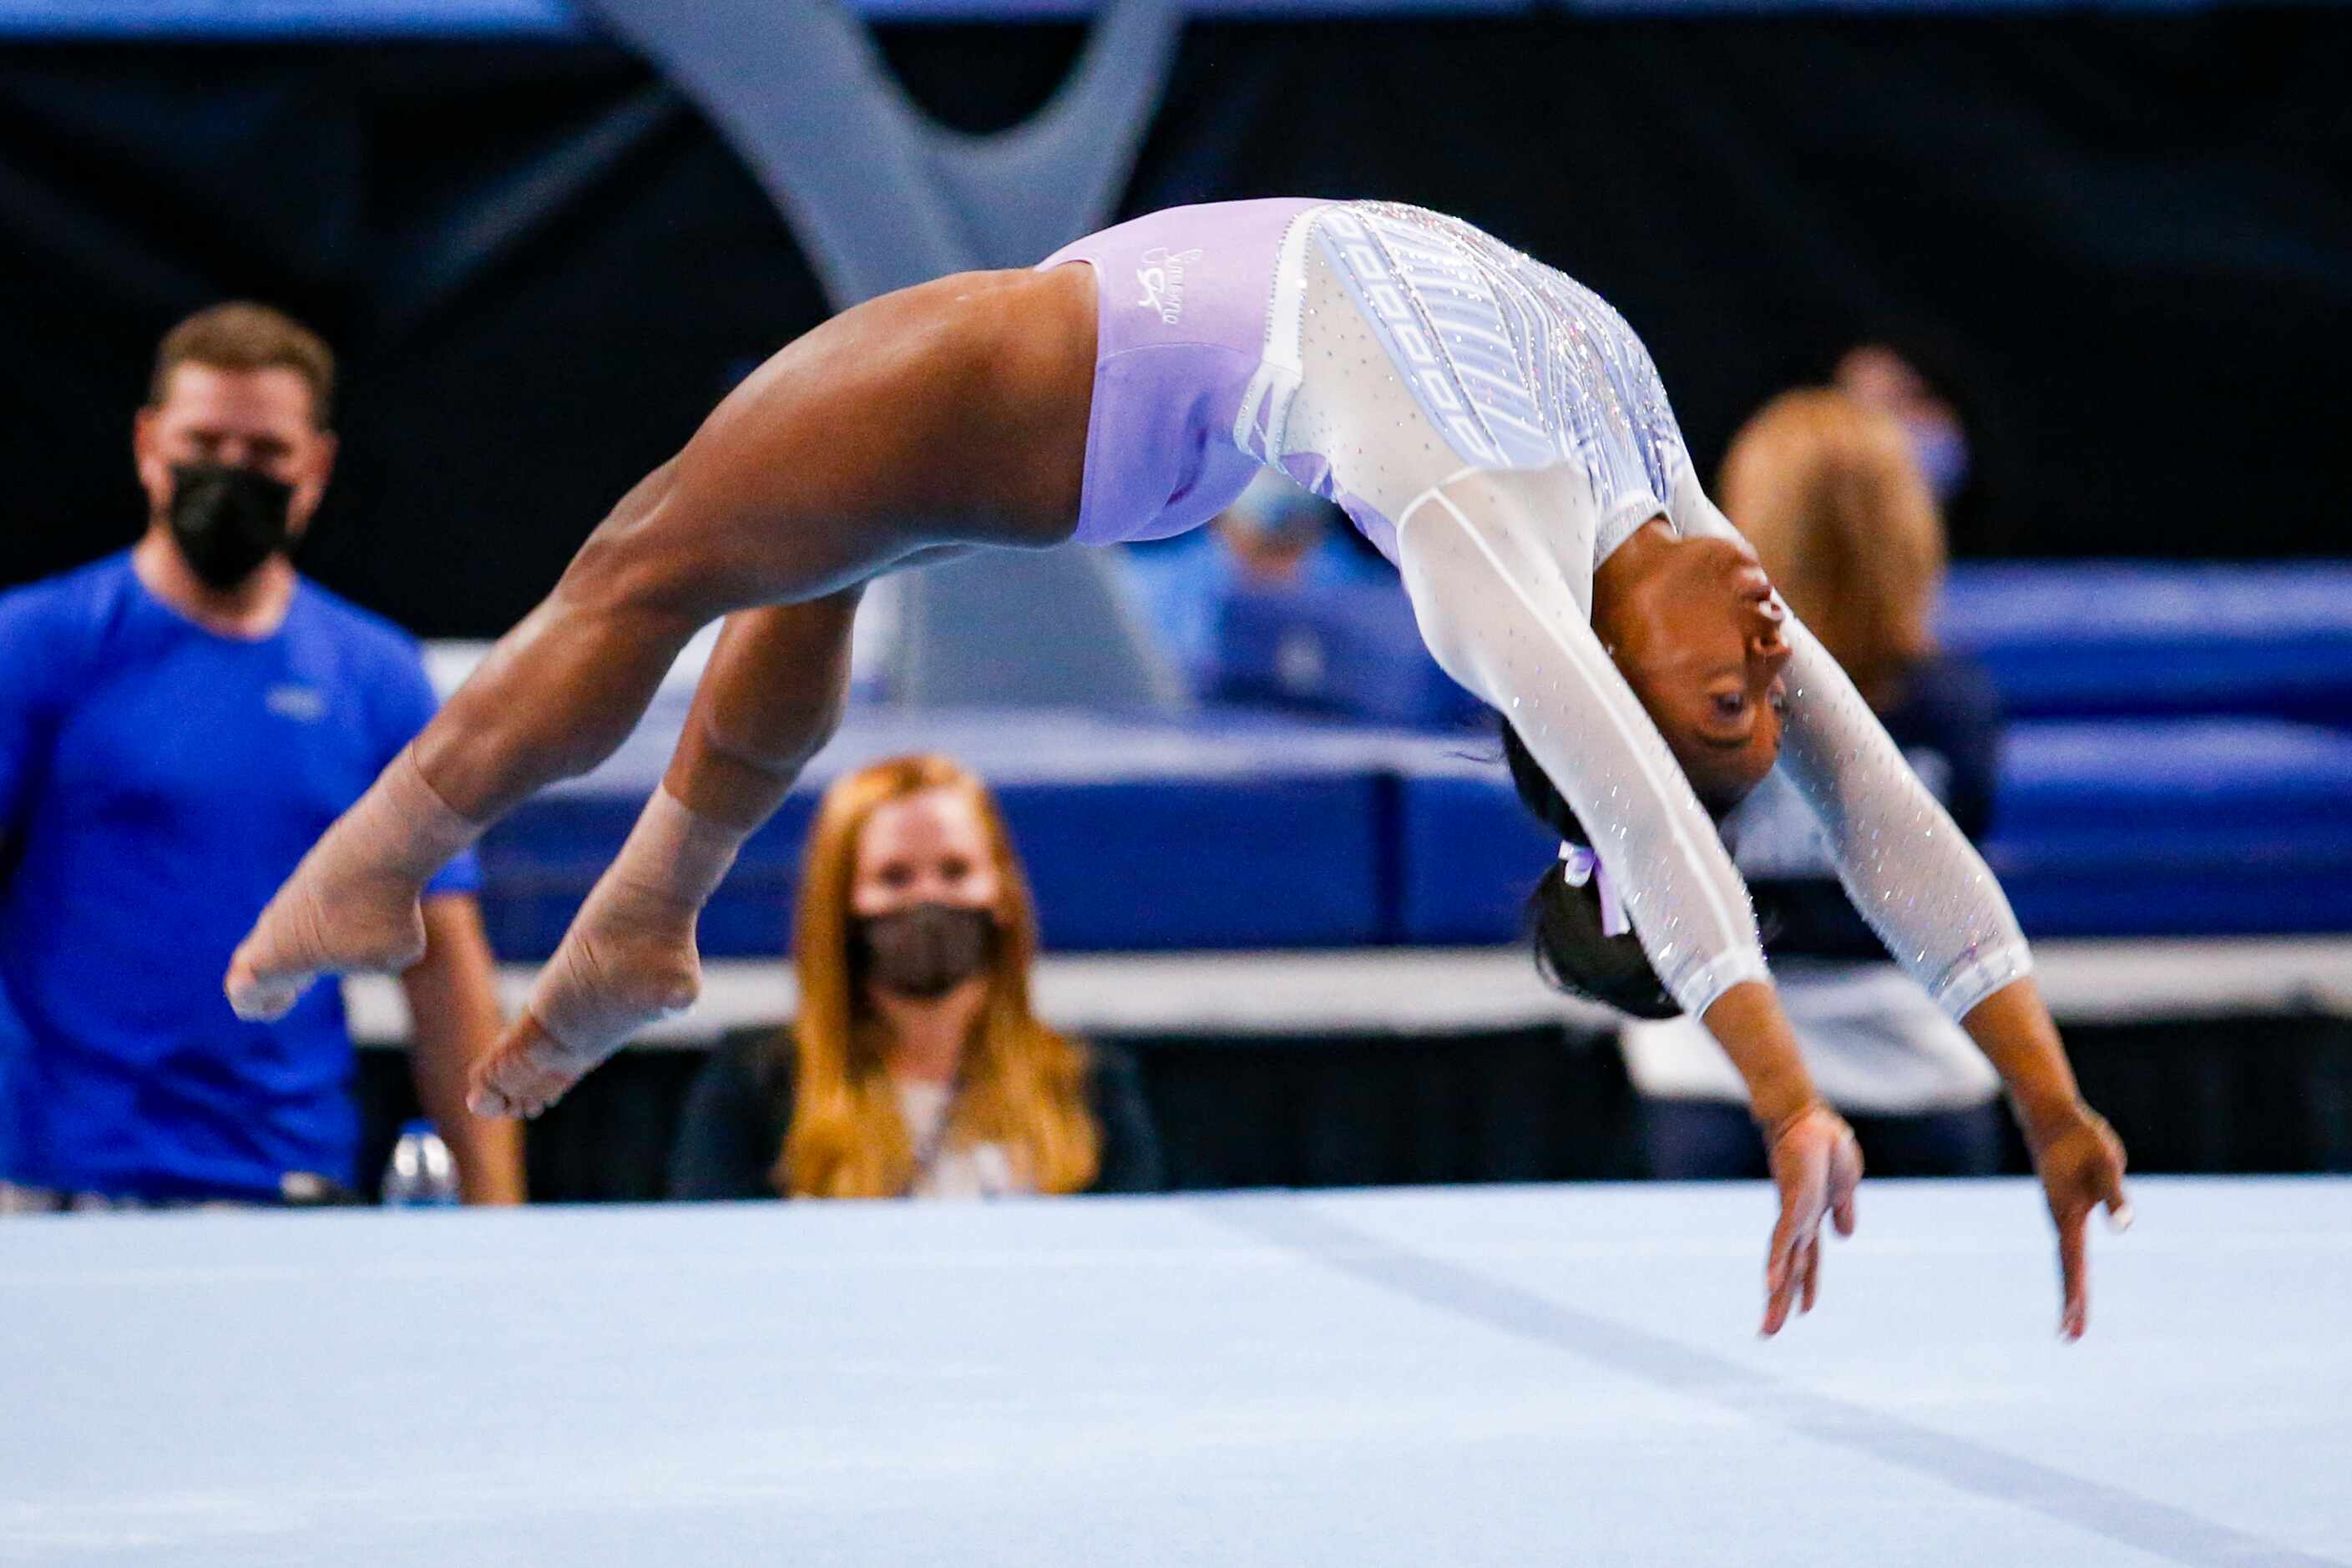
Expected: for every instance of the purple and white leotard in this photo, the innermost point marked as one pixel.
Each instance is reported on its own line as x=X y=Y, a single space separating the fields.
x=1497 y=430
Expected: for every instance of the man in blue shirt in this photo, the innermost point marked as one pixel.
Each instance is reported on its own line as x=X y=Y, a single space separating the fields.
x=178 y=723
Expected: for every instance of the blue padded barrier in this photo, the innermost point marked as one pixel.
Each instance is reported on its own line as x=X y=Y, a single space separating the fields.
x=1176 y=863
x=2253 y=885
x=1276 y=861
x=2116 y=637
x=1467 y=855
x=1248 y=832
x=2073 y=641
x=1236 y=832
x=2202 y=828
x=540 y=862
x=1352 y=649
x=2160 y=782
x=2111 y=828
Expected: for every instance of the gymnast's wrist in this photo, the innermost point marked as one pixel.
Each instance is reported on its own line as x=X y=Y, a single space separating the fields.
x=1746 y=1020
x=2044 y=1112
x=1779 y=1105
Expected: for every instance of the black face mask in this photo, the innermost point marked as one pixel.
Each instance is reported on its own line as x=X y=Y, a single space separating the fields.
x=923 y=951
x=227 y=521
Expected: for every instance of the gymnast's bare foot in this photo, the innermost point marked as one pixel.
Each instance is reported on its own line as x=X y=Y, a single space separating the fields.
x=628 y=960
x=317 y=926
x=352 y=904
x=610 y=978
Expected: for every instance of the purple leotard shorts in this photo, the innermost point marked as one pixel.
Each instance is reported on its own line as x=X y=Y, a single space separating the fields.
x=1184 y=296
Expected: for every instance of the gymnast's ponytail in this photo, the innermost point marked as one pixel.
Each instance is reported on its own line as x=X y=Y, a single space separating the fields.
x=1564 y=919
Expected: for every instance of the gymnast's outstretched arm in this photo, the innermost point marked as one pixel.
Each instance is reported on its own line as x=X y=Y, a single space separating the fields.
x=1928 y=894
x=953 y=413
x=1497 y=610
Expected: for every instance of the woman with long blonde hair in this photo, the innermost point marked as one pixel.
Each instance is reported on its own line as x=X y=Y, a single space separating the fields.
x=1829 y=491
x=918 y=1066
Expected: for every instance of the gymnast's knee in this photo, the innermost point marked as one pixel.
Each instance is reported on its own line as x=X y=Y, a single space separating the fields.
x=782 y=741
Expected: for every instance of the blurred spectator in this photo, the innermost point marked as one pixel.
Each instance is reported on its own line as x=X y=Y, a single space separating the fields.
x=1928 y=384
x=917 y=1067
x=1278 y=535
x=1875 y=377
x=1829 y=493
x=178 y=723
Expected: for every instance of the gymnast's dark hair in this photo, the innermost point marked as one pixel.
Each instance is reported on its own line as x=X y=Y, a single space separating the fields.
x=1564 y=920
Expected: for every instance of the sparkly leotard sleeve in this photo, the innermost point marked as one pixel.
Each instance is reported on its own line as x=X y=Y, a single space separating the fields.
x=1907 y=866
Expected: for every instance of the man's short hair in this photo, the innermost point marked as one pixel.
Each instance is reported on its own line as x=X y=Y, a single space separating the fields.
x=242 y=335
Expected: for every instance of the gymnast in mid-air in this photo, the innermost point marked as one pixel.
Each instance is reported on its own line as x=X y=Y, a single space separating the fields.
x=1493 y=427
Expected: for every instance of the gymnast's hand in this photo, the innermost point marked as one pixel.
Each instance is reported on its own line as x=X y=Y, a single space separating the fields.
x=2081 y=1163
x=1816 y=1164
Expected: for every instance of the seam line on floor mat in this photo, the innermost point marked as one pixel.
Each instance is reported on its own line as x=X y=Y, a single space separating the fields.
x=2126 y=1518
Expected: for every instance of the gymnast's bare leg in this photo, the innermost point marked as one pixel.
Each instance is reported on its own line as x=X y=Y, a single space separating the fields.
x=947 y=414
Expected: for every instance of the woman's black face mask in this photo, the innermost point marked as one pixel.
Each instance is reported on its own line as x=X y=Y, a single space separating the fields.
x=925 y=950
x=227 y=521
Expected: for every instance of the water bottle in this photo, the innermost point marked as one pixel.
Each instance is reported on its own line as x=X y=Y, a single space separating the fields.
x=421 y=1173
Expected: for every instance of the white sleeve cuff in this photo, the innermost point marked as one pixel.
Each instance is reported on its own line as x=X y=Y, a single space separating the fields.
x=1698 y=989
x=1977 y=974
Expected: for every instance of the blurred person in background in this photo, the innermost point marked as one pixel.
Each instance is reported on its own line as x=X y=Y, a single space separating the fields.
x=1827 y=489
x=177 y=724
x=1275 y=535
x=917 y=1067
x=1878 y=377
x=1928 y=384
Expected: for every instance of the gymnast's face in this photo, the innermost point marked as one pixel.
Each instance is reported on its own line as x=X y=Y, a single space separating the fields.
x=930 y=847
x=1698 y=639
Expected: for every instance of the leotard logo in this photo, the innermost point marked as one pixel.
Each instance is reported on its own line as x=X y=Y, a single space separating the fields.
x=1163 y=278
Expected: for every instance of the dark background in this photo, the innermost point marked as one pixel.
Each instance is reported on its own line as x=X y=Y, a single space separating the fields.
x=2125 y=241
x=1515 y=1105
